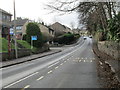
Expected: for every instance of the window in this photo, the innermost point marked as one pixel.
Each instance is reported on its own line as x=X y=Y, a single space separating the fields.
x=8 y=18
x=3 y=17
x=19 y=28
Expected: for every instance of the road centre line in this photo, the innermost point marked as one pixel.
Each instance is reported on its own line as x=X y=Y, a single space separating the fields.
x=64 y=61
x=56 y=67
x=21 y=80
x=50 y=72
x=40 y=78
x=53 y=64
x=61 y=64
x=79 y=60
x=27 y=86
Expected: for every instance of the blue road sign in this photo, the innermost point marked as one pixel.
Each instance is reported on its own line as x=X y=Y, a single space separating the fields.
x=34 y=37
x=11 y=31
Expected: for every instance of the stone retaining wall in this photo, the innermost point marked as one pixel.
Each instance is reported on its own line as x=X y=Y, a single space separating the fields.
x=107 y=75
x=110 y=48
x=21 y=53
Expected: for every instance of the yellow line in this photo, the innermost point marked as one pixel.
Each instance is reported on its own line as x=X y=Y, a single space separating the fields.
x=40 y=78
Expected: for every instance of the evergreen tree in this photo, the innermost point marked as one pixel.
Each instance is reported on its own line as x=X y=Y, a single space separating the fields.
x=34 y=30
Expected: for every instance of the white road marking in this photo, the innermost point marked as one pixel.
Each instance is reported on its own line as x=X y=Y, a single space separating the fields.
x=53 y=64
x=91 y=61
x=84 y=60
x=40 y=78
x=21 y=80
x=50 y=72
x=64 y=61
x=27 y=86
x=56 y=67
x=79 y=60
x=61 y=64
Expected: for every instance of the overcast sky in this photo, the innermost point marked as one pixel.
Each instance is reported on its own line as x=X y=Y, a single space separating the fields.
x=34 y=10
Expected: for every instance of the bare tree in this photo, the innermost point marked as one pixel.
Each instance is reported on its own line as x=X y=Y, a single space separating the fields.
x=91 y=14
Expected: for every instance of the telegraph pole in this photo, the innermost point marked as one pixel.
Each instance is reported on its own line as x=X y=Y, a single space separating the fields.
x=16 y=51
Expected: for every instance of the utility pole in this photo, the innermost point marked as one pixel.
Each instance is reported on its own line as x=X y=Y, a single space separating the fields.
x=16 y=51
x=9 y=46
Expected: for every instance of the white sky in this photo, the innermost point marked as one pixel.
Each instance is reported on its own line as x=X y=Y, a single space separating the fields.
x=34 y=10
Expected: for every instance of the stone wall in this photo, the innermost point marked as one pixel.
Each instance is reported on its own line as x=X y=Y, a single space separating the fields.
x=108 y=77
x=110 y=48
x=21 y=53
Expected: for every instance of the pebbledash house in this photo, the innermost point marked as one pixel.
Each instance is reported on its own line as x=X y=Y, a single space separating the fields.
x=5 y=23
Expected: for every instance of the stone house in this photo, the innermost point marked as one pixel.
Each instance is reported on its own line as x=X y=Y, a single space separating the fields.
x=60 y=29
x=47 y=32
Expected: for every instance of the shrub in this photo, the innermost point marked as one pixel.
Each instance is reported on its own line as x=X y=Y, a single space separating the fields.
x=24 y=37
x=66 y=38
x=34 y=30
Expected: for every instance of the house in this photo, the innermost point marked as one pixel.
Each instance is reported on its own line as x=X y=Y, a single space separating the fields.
x=5 y=19
x=20 y=27
x=75 y=31
x=60 y=29
x=47 y=32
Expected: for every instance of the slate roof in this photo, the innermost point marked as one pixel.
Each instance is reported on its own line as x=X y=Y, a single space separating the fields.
x=19 y=21
x=3 y=11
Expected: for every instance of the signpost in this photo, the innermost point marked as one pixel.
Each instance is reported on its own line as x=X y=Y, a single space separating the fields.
x=33 y=38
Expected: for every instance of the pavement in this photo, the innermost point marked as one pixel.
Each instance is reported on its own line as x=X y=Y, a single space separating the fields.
x=74 y=67
x=28 y=58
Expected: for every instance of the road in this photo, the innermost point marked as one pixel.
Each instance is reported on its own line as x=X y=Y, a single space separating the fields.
x=74 y=67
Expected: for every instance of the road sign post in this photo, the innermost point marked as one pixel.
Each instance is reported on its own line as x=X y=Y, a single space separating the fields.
x=33 y=38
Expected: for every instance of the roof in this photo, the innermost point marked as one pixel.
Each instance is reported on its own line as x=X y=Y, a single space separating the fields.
x=3 y=11
x=46 y=26
x=20 y=21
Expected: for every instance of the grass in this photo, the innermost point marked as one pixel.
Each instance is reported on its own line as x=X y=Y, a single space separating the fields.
x=4 y=45
x=26 y=45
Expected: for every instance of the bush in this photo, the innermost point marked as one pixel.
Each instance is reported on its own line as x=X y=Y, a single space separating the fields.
x=24 y=37
x=66 y=38
x=34 y=30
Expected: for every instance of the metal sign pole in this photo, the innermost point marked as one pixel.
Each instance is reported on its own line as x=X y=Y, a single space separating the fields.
x=31 y=43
